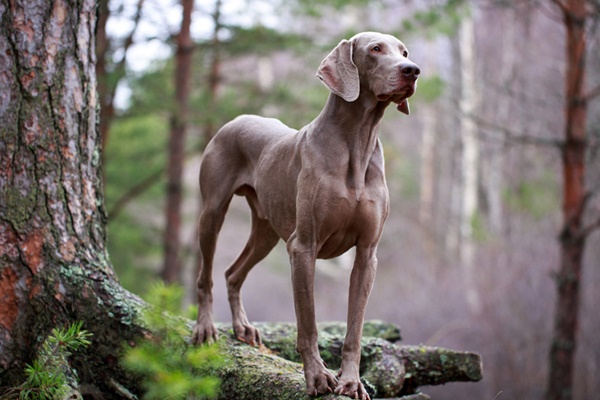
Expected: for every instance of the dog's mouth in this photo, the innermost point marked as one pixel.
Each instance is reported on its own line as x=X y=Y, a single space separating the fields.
x=400 y=94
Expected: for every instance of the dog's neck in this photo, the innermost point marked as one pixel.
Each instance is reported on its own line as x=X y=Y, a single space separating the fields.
x=358 y=130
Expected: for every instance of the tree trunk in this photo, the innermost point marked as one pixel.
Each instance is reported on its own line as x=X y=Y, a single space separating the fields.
x=470 y=157
x=107 y=109
x=54 y=267
x=392 y=370
x=274 y=370
x=171 y=271
x=110 y=75
x=428 y=160
x=493 y=162
x=572 y=240
x=214 y=75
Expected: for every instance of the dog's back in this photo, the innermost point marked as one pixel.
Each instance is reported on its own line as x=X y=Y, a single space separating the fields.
x=247 y=136
x=235 y=150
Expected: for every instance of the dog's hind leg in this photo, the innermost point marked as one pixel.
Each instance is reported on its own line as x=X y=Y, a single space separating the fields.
x=216 y=196
x=261 y=241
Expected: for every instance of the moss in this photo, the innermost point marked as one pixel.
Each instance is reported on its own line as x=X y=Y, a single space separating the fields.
x=261 y=373
x=373 y=328
x=537 y=197
x=19 y=206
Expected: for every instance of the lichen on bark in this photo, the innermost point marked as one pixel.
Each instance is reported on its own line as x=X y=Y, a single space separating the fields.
x=390 y=369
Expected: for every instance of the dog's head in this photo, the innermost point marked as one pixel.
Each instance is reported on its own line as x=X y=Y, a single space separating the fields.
x=371 y=61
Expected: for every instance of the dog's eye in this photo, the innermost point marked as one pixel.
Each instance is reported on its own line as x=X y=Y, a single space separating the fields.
x=376 y=49
x=405 y=54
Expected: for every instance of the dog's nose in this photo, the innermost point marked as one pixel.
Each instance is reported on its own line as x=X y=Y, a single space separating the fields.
x=410 y=70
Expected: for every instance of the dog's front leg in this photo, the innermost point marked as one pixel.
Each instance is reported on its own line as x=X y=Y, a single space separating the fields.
x=361 y=282
x=319 y=379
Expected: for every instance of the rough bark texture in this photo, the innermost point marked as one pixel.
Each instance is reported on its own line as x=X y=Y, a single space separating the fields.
x=390 y=369
x=54 y=267
x=183 y=62
x=572 y=240
x=105 y=91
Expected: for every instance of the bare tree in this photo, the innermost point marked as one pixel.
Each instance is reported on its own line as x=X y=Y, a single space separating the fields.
x=183 y=62
x=470 y=156
x=575 y=14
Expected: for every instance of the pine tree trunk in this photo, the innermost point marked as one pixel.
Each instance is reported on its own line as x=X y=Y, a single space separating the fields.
x=107 y=110
x=572 y=241
x=54 y=267
x=109 y=74
x=183 y=62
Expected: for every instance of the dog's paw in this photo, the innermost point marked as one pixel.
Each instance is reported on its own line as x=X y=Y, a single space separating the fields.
x=204 y=332
x=352 y=388
x=319 y=380
x=247 y=333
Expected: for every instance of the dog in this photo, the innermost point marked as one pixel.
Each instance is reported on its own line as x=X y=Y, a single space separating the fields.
x=321 y=189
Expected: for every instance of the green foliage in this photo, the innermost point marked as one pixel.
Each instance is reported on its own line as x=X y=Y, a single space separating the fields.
x=50 y=375
x=537 y=197
x=431 y=88
x=317 y=8
x=170 y=366
x=135 y=152
x=441 y=18
x=260 y=40
x=153 y=90
x=402 y=170
x=478 y=229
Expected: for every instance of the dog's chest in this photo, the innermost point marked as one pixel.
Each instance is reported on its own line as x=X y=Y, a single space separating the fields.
x=349 y=216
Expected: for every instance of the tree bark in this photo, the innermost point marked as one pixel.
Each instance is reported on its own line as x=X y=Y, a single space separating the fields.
x=171 y=271
x=572 y=240
x=54 y=267
x=107 y=109
x=392 y=370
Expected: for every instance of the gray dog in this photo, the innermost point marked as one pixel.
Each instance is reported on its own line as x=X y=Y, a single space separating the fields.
x=321 y=189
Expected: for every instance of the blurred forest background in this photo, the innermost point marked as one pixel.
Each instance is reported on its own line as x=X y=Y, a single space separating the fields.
x=471 y=249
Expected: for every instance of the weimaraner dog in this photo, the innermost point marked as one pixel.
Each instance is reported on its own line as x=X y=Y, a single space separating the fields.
x=321 y=189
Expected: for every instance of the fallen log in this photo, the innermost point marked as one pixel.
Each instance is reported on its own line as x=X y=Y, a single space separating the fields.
x=390 y=370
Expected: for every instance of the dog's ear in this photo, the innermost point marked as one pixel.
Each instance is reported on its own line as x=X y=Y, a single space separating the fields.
x=403 y=107
x=338 y=72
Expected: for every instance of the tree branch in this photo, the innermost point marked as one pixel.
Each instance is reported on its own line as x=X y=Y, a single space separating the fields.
x=140 y=187
x=589 y=229
x=120 y=66
x=133 y=192
x=592 y=93
x=562 y=6
x=512 y=136
x=392 y=369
